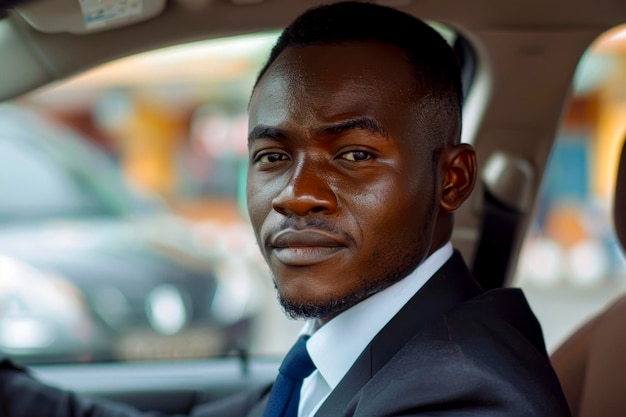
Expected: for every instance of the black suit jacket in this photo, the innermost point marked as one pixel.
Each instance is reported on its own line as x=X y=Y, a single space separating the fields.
x=451 y=350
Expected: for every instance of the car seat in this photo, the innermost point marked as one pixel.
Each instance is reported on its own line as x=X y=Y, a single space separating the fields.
x=591 y=364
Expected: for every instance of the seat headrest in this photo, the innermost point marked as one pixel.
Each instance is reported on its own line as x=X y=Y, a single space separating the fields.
x=619 y=199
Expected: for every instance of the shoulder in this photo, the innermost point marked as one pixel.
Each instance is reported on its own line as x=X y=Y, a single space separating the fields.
x=485 y=357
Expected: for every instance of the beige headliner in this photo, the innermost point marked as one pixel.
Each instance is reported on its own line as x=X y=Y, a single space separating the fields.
x=33 y=58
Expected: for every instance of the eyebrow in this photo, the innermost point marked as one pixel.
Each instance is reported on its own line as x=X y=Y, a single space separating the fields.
x=359 y=123
x=263 y=131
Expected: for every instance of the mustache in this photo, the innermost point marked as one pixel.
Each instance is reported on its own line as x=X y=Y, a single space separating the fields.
x=316 y=223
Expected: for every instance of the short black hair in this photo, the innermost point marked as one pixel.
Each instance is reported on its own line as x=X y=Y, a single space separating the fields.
x=437 y=71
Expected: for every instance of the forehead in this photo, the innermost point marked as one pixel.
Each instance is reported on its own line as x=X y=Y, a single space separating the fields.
x=351 y=76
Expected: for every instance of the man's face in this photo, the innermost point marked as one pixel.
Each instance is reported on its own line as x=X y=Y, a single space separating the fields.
x=343 y=185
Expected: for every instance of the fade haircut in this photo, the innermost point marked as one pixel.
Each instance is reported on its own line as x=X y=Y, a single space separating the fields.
x=437 y=73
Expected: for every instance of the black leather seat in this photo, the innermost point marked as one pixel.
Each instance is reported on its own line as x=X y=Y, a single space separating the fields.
x=591 y=364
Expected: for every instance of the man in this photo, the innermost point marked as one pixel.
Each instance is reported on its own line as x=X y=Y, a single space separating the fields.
x=355 y=171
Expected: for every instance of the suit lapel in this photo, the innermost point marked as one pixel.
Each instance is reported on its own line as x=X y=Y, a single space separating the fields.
x=450 y=286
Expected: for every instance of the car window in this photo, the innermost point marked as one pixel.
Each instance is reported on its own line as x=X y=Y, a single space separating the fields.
x=159 y=141
x=42 y=178
x=571 y=265
x=27 y=168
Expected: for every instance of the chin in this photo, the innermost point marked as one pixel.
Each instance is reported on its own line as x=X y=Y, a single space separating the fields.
x=323 y=309
x=300 y=299
x=302 y=310
x=324 y=305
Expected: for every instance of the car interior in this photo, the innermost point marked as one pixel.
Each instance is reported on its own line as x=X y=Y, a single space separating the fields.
x=527 y=107
x=590 y=362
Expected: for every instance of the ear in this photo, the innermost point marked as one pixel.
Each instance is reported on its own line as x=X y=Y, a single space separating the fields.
x=459 y=175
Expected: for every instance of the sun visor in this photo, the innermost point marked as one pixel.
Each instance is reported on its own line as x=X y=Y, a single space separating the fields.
x=85 y=16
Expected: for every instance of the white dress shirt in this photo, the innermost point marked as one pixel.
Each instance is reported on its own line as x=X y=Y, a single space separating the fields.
x=346 y=336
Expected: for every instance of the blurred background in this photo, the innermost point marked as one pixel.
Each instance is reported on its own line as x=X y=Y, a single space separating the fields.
x=571 y=265
x=123 y=229
x=123 y=192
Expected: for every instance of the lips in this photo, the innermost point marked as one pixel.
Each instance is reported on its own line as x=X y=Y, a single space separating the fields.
x=305 y=247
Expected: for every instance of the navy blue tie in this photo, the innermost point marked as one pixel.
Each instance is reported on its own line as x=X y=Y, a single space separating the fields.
x=285 y=395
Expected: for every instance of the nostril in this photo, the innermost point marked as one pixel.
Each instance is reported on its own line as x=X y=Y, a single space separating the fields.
x=301 y=205
x=280 y=210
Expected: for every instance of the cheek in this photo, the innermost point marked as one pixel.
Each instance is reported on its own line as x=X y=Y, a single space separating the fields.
x=375 y=210
x=259 y=197
x=395 y=209
x=260 y=193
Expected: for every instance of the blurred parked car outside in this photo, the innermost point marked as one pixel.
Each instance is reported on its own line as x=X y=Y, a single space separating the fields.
x=91 y=269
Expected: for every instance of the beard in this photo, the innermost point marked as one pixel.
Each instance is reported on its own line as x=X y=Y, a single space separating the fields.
x=391 y=269
x=331 y=307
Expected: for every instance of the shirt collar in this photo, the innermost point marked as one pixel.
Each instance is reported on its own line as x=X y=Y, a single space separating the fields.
x=376 y=311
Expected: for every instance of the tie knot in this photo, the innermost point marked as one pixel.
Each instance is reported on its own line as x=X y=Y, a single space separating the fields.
x=298 y=364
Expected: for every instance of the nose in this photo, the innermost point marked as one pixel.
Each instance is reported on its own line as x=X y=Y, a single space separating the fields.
x=308 y=191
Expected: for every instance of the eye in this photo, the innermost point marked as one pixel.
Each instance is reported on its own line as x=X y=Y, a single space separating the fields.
x=356 y=156
x=271 y=157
